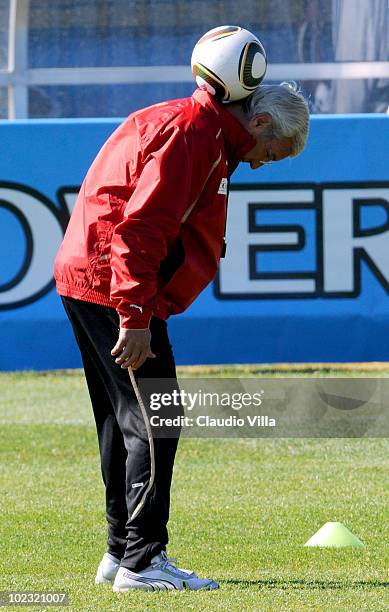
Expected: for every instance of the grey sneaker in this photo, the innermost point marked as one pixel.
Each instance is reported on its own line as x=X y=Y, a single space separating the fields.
x=161 y=575
x=107 y=569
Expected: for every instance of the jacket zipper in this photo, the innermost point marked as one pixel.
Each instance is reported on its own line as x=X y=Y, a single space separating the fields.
x=191 y=207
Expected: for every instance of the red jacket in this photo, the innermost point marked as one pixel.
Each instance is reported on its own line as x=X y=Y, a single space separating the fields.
x=146 y=233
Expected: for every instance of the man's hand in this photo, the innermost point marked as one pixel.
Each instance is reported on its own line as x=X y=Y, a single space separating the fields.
x=132 y=348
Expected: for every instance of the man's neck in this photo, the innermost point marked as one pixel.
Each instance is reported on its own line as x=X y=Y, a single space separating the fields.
x=235 y=108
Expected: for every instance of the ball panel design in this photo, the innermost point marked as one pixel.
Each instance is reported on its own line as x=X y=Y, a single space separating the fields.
x=203 y=74
x=217 y=33
x=251 y=54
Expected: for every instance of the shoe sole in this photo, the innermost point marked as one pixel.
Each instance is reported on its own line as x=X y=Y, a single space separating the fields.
x=159 y=585
x=101 y=580
x=155 y=585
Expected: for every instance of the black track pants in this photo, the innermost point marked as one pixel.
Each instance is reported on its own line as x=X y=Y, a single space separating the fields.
x=122 y=435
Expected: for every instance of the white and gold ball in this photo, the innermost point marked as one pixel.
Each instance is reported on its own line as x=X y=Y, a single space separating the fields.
x=229 y=62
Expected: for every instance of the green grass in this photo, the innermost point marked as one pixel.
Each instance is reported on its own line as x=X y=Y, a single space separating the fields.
x=241 y=510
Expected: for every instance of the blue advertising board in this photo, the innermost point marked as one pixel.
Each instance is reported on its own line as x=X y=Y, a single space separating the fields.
x=305 y=278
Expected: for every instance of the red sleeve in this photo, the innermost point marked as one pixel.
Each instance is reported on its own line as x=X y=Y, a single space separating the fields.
x=150 y=225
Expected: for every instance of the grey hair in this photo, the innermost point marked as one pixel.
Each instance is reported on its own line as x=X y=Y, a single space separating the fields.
x=288 y=109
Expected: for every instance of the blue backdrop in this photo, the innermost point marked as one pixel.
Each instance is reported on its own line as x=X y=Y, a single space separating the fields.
x=306 y=276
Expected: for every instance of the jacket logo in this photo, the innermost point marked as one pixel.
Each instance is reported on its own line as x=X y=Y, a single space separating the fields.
x=135 y=306
x=223 y=187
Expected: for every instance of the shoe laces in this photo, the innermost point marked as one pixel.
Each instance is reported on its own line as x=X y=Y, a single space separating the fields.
x=167 y=560
x=168 y=563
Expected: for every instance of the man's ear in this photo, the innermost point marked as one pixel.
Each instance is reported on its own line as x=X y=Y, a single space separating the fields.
x=261 y=122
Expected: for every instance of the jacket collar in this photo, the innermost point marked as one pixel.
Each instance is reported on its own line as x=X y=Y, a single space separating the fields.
x=238 y=141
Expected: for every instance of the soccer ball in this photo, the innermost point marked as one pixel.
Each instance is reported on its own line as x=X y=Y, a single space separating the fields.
x=229 y=62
